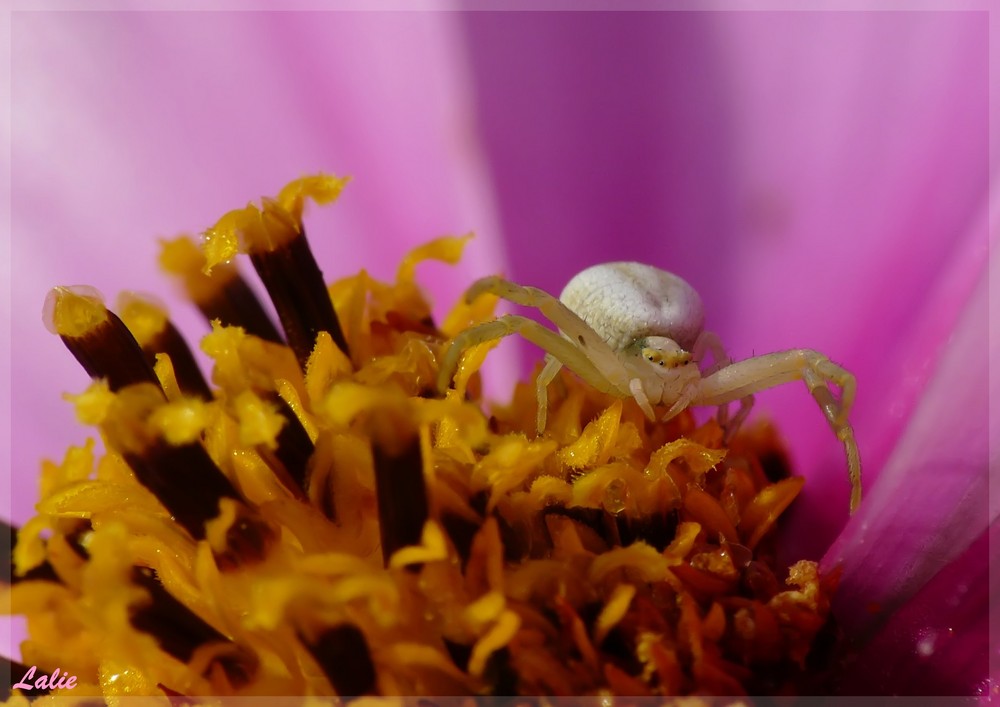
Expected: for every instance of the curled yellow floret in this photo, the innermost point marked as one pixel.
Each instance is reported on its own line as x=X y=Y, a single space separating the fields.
x=320 y=188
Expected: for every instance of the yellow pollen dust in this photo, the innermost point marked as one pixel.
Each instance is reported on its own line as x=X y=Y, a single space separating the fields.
x=126 y=423
x=181 y=422
x=73 y=311
x=221 y=243
x=92 y=405
x=143 y=315
x=260 y=422
x=223 y=345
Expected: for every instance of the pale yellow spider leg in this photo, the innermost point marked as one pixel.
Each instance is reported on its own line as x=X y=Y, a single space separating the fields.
x=553 y=344
x=548 y=373
x=709 y=342
x=830 y=371
x=605 y=358
x=836 y=416
x=817 y=371
x=589 y=344
x=731 y=427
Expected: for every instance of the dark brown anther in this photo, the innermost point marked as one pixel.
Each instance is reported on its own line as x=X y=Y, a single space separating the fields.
x=294 y=446
x=342 y=652
x=224 y=295
x=516 y=546
x=401 y=494
x=77 y=538
x=295 y=284
x=150 y=324
x=597 y=519
x=462 y=531
x=501 y=674
x=459 y=653
x=185 y=479
x=248 y=541
x=171 y=342
x=658 y=529
x=97 y=338
x=179 y=631
x=235 y=304
x=759 y=581
x=775 y=465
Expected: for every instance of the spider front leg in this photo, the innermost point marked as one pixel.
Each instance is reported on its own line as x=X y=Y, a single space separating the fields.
x=744 y=378
x=577 y=330
x=709 y=342
x=581 y=350
x=558 y=347
x=548 y=374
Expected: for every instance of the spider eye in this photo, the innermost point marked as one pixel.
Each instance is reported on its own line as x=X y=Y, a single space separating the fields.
x=661 y=363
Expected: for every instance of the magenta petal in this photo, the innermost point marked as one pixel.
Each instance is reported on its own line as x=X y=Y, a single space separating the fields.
x=933 y=498
x=609 y=139
x=862 y=174
x=940 y=642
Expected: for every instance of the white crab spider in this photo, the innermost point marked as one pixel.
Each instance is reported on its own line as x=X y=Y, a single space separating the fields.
x=632 y=330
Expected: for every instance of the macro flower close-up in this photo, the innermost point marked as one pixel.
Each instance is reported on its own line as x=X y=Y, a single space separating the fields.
x=275 y=448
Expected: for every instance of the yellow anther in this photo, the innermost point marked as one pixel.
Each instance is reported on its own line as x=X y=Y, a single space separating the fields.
x=260 y=422
x=221 y=241
x=180 y=422
x=92 y=405
x=144 y=316
x=182 y=257
x=73 y=311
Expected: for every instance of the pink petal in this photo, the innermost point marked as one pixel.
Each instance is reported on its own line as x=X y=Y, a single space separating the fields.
x=934 y=497
x=939 y=642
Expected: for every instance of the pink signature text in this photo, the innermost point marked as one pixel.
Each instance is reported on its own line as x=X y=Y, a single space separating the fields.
x=45 y=682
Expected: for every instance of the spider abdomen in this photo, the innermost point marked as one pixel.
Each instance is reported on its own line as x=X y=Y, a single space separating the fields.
x=624 y=302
